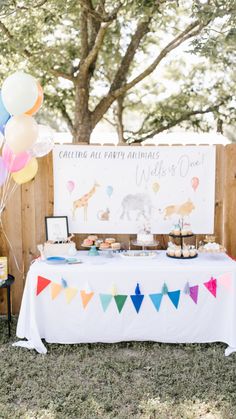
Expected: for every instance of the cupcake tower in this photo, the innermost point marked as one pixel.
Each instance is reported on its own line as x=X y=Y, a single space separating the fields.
x=180 y=246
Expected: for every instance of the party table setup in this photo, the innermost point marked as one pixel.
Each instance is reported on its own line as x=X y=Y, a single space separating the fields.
x=111 y=291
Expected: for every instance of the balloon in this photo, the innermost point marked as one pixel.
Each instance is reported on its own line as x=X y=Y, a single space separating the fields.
x=109 y=190
x=4 y=115
x=1 y=139
x=38 y=102
x=195 y=183
x=19 y=93
x=44 y=143
x=155 y=187
x=70 y=185
x=3 y=171
x=21 y=132
x=14 y=162
x=27 y=173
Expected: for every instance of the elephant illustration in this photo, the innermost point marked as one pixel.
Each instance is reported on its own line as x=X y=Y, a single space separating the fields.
x=140 y=203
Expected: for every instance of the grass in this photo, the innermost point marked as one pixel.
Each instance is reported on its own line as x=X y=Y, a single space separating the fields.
x=125 y=380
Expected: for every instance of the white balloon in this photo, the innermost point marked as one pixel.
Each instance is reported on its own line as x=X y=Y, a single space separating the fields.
x=44 y=143
x=21 y=133
x=19 y=93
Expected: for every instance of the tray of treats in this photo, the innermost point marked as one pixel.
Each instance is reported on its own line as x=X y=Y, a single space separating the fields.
x=178 y=252
x=109 y=243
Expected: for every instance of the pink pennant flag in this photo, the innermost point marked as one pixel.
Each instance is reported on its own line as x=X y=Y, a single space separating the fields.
x=226 y=280
x=211 y=286
x=193 y=292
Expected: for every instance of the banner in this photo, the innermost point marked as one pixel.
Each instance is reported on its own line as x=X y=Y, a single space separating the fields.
x=113 y=189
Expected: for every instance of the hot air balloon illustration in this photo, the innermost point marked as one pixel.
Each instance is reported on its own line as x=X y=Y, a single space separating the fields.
x=195 y=183
x=155 y=187
x=109 y=190
x=70 y=185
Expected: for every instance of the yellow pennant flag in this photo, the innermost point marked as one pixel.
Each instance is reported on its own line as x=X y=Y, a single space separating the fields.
x=113 y=290
x=55 y=289
x=86 y=297
x=70 y=294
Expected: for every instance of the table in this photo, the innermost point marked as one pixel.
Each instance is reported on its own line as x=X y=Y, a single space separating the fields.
x=130 y=299
x=7 y=285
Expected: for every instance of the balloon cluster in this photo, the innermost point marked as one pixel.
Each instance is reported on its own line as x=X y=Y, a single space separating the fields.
x=22 y=138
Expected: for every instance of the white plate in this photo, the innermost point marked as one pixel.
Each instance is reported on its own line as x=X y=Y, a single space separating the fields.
x=138 y=255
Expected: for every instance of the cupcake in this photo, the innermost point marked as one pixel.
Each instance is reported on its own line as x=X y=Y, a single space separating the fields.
x=186 y=253
x=87 y=242
x=178 y=253
x=110 y=240
x=115 y=246
x=92 y=238
x=192 y=252
x=104 y=246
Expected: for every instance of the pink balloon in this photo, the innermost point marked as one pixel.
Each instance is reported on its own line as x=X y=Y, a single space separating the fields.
x=195 y=183
x=14 y=162
x=70 y=185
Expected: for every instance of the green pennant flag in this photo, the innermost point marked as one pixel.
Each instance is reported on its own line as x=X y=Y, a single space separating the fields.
x=105 y=300
x=120 y=301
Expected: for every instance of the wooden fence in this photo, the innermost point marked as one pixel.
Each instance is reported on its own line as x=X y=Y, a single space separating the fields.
x=23 y=220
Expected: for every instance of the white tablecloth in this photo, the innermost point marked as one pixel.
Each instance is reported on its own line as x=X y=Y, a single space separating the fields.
x=81 y=313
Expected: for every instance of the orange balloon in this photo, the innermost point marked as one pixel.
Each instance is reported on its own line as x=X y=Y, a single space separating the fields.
x=38 y=102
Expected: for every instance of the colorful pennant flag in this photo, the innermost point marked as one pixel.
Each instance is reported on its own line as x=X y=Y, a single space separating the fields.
x=156 y=299
x=226 y=280
x=120 y=301
x=55 y=290
x=105 y=300
x=64 y=283
x=137 y=299
x=164 y=289
x=113 y=290
x=174 y=297
x=42 y=284
x=70 y=294
x=186 y=288
x=193 y=292
x=86 y=297
x=211 y=285
x=137 y=290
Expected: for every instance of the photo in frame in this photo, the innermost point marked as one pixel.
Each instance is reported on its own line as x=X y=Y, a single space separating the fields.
x=57 y=229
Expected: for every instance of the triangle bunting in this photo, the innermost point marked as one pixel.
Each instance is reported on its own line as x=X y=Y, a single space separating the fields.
x=41 y=284
x=156 y=299
x=211 y=286
x=174 y=297
x=137 y=300
x=193 y=292
x=120 y=301
x=105 y=300
x=86 y=297
x=70 y=294
x=55 y=290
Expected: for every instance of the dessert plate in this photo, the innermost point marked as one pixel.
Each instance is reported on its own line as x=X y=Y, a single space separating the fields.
x=56 y=260
x=138 y=255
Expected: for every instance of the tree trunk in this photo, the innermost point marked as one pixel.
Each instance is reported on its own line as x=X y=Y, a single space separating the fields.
x=82 y=125
x=119 y=119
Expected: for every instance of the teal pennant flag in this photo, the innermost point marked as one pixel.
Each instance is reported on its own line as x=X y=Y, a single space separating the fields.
x=156 y=299
x=105 y=300
x=174 y=297
x=120 y=301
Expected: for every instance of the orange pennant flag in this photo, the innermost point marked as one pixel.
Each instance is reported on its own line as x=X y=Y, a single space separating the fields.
x=86 y=297
x=55 y=290
x=70 y=294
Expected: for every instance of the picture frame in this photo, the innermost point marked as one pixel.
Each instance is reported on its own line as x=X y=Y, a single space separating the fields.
x=57 y=229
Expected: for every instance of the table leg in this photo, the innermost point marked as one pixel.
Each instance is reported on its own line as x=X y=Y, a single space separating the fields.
x=9 y=309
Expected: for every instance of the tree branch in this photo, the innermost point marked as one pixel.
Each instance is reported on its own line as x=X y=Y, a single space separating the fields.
x=98 y=16
x=26 y=53
x=191 y=30
x=178 y=121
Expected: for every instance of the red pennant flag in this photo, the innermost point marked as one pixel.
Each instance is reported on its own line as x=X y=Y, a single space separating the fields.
x=211 y=286
x=42 y=283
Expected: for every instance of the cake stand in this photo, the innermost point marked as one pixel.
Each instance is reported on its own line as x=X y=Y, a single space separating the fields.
x=181 y=238
x=154 y=243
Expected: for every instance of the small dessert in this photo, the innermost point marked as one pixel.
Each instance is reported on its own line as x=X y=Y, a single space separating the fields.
x=178 y=253
x=171 y=252
x=110 y=240
x=186 y=253
x=98 y=242
x=184 y=232
x=115 y=246
x=104 y=246
x=192 y=252
x=87 y=242
x=92 y=238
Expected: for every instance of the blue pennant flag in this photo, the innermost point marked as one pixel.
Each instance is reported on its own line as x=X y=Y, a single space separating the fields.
x=137 y=290
x=174 y=297
x=64 y=283
x=156 y=299
x=164 y=289
x=137 y=301
x=105 y=300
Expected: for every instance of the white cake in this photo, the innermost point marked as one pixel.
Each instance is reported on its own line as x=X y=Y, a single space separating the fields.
x=145 y=238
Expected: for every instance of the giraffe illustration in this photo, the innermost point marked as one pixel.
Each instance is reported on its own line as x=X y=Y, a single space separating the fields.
x=83 y=201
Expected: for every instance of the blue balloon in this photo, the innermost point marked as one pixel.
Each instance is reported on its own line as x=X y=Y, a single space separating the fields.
x=4 y=115
x=109 y=190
